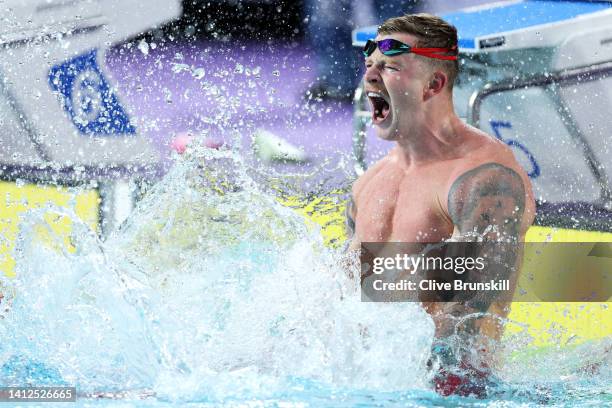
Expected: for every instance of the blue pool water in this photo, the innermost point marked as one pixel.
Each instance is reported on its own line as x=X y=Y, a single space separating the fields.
x=214 y=294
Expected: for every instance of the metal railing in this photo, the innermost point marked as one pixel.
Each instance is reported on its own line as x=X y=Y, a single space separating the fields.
x=574 y=75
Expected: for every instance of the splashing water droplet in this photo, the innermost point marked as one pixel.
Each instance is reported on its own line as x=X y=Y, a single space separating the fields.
x=198 y=73
x=143 y=47
x=179 y=67
x=167 y=95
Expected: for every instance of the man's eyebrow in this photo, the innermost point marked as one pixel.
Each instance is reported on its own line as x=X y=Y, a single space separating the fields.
x=381 y=62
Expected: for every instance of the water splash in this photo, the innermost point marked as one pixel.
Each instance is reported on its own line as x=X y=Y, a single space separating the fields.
x=211 y=289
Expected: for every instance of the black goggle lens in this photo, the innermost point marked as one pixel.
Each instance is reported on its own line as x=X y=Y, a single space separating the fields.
x=369 y=48
x=387 y=47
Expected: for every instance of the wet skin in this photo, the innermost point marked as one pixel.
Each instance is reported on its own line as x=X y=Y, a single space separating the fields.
x=443 y=180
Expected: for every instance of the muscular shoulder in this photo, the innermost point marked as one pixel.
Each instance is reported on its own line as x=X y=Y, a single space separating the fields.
x=487 y=152
x=488 y=189
x=488 y=148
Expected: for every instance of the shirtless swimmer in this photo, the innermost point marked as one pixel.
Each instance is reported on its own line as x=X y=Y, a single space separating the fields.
x=443 y=179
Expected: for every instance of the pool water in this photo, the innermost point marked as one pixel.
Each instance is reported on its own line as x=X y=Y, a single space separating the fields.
x=212 y=293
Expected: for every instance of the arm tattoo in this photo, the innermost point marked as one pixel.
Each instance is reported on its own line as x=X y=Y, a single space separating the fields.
x=350 y=221
x=486 y=204
x=488 y=200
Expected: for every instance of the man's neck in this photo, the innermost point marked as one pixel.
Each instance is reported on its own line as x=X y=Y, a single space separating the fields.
x=433 y=137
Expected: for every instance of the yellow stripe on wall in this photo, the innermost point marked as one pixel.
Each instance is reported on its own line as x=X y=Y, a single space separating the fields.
x=561 y=322
x=548 y=323
x=17 y=198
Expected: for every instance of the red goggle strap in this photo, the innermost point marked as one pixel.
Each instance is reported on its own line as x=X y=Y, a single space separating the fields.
x=435 y=52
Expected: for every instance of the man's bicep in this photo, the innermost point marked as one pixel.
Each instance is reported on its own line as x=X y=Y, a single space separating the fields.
x=487 y=205
x=489 y=202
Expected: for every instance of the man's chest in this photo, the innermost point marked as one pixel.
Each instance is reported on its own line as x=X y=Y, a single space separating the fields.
x=397 y=207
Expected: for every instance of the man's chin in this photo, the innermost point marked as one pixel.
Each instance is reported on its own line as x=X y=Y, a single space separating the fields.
x=386 y=134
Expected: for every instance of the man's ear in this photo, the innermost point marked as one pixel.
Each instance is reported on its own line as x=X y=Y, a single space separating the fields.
x=436 y=84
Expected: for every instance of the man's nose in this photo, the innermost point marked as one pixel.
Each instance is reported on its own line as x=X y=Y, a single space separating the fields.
x=372 y=74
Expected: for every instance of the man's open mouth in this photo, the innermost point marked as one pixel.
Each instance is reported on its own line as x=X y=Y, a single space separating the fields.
x=380 y=107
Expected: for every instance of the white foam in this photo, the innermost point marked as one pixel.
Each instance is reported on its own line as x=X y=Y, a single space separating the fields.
x=211 y=287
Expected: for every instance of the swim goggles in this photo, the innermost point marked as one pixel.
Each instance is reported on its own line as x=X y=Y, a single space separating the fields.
x=391 y=47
